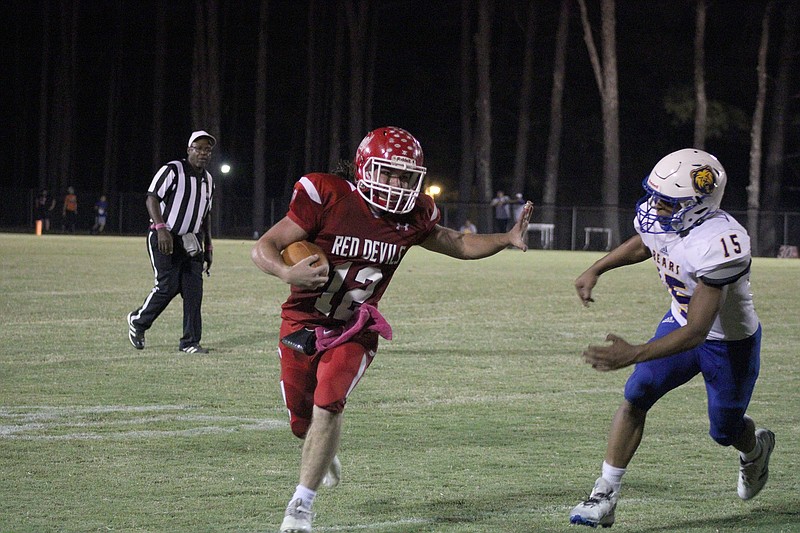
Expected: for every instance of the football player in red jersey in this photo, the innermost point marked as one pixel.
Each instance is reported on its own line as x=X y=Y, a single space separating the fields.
x=330 y=322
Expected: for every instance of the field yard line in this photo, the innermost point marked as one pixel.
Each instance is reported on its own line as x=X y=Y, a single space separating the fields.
x=49 y=418
x=206 y=430
x=52 y=411
x=146 y=420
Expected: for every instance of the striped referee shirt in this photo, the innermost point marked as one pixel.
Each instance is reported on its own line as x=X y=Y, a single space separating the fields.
x=185 y=198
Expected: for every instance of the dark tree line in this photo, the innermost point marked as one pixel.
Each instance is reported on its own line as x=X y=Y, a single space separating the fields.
x=516 y=71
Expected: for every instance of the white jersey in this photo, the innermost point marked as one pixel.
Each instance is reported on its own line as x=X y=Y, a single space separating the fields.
x=717 y=251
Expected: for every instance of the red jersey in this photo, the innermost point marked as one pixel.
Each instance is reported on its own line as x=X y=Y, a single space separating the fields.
x=363 y=249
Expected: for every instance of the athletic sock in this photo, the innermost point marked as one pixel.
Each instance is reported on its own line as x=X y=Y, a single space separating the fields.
x=753 y=454
x=613 y=475
x=306 y=496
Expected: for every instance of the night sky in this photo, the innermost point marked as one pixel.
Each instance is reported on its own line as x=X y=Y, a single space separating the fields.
x=417 y=82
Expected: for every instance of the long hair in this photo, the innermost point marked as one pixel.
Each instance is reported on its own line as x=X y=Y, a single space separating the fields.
x=345 y=169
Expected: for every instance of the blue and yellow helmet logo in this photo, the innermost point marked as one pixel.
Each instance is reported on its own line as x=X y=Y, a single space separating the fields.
x=704 y=180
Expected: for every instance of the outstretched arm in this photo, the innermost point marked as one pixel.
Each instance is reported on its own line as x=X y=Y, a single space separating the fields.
x=628 y=253
x=703 y=308
x=477 y=245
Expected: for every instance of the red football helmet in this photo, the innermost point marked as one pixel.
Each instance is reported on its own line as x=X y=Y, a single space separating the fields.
x=389 y=169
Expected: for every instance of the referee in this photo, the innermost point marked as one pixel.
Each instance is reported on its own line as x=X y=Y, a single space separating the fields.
x=179 y=242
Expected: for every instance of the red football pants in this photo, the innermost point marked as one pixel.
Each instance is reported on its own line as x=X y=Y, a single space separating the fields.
x=324 y=379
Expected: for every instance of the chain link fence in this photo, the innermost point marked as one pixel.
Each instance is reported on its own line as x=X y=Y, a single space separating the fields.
x=556 y=228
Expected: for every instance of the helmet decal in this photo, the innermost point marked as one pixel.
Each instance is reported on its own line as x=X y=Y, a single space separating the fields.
x=683 y=189
x=703 y=180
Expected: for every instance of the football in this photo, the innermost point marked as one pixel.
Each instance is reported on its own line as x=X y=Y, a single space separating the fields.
x=297 y=251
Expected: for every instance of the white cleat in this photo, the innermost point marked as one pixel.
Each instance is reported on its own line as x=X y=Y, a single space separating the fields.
x=753 y=475
x=334 y=475
x=297 y=519
x=598 y=509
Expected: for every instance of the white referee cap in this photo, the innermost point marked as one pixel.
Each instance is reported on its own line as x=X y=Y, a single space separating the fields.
x=200 y=133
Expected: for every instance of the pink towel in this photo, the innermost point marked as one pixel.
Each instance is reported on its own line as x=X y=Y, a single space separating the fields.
x=366 y=318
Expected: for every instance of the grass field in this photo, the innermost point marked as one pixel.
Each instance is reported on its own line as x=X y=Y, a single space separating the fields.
x=478 y=417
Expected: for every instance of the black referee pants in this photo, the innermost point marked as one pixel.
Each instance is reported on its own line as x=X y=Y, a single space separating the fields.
x=174 y=274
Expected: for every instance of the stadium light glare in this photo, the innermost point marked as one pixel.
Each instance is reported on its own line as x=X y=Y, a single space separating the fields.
x=433 y=190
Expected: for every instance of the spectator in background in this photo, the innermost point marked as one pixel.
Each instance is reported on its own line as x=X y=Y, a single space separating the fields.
x=43 y=208
x=468 y=227
x=502 y=211
x=516 y=205
x=70 y=211
x=100 y=215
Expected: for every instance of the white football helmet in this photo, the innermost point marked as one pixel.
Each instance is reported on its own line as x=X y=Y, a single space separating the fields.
x=394 y=150
x=691 y=181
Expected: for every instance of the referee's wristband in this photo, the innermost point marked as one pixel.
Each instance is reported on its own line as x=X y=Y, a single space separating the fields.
x=159 y=226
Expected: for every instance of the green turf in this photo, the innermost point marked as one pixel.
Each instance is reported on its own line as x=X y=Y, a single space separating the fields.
x=478 y=417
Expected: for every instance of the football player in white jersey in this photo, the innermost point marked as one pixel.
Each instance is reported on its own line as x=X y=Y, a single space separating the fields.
x=702 y=255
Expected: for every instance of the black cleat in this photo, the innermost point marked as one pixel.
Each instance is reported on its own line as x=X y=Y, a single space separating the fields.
x=134 y=335
x=193 y=348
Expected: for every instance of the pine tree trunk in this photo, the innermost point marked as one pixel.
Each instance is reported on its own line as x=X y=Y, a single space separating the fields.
x=159 y=70
x=44 y=85
x=337 y=80
x=63 y=102
x=556 y=117
x=773 y=171
x=525 y=95
x=369 y=69
x=213 y=111
x=484 y=107
x=754 y=187
x=310 y=161
x=610 y=121
x=357 y=17
x=467 y=174
x=206 y=98
x=260 y=121
x=606 y=77
x=701 y=107
x=111 y=150
x=199 y=70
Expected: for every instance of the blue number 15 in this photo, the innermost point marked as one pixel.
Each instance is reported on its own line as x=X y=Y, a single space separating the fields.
x=737 y=248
